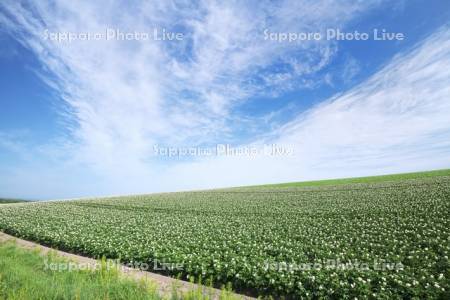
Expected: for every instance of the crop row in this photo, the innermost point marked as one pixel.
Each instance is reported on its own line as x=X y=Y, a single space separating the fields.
x=386 y=240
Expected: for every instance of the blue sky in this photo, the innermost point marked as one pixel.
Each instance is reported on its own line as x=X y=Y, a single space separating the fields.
x=84 y=118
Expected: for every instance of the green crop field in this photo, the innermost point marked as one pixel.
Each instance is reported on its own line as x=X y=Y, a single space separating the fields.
x=368 y=239
x=6 y=201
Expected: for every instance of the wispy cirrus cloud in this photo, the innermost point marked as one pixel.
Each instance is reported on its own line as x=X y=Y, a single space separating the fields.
x=128 y=95
x=399 y=114
x=395 y=121
x=122 y=97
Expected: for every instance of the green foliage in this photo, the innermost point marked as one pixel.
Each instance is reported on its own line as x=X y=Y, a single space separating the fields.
x=231 y=236
x=369 y=179
x=23 y=275
x=7 y=201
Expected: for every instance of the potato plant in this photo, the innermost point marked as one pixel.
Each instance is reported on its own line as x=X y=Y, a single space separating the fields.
x=261 y=239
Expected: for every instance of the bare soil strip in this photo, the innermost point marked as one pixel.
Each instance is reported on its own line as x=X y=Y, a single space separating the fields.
x=165 y=285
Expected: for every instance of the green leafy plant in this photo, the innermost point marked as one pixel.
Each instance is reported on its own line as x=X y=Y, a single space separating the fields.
x=232 y=235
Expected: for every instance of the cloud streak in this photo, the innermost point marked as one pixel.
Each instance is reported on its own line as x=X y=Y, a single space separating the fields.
x=395 y=121
x=121 y=98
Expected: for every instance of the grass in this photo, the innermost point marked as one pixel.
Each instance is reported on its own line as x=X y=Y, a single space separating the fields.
x=23 y=275
x=368 y=179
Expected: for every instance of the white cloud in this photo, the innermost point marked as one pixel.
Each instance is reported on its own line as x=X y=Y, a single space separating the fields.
x=396 y=121
x=125 y=96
